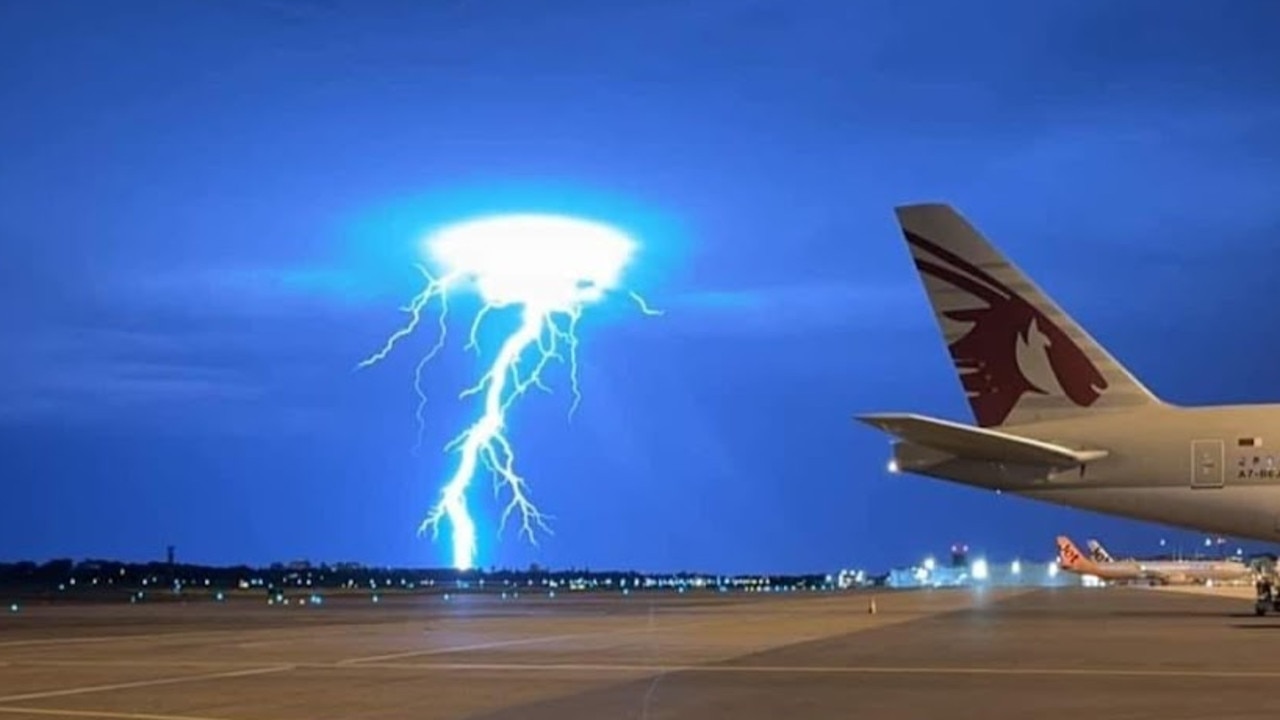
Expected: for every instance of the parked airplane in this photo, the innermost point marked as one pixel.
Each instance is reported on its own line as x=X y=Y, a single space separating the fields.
x=1072 y=560
x=1058 y=418
x=1097 y=552
x=1164 y=572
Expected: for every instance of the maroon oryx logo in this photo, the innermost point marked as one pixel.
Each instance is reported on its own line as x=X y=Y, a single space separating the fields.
x=987 y=355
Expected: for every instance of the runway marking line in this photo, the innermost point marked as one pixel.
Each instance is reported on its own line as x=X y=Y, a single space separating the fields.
x=319 y=630
x=144 y=683
x=835 y=670
x=112 y=715
x=464 y=648
x=641 y=669
x=194 y=664
x=371 y=659
x=35 y=642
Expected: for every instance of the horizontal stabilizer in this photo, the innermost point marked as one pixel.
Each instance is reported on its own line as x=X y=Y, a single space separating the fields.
x=976 y=443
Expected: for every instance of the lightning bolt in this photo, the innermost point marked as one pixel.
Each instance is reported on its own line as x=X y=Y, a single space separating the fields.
x=549 y=268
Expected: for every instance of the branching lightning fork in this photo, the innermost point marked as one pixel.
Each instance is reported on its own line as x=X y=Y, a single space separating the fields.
x=548 y=267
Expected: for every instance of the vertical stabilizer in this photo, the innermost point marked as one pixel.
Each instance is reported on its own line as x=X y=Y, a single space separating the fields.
x=1098 y=552
x=1070 y=558
x=1020 y=358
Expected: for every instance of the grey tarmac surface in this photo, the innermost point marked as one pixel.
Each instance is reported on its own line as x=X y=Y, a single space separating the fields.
x=1103 y=653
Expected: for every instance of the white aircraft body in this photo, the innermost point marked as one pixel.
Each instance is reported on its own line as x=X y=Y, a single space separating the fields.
x=1058 y=419
x=1163 y=572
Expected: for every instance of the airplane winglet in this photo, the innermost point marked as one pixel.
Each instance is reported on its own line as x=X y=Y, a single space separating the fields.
x=978 y=443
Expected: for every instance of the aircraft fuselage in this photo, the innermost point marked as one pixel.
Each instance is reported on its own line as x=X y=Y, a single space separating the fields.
x=1057 y=418
x=1213 y=469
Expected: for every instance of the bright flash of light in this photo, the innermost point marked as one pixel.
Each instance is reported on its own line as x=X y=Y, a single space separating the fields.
x=548 y=268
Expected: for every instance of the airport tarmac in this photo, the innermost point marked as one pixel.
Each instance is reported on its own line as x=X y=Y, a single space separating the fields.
x=1107 y=653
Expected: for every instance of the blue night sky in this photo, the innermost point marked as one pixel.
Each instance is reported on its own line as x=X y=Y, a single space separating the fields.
x=209 y=213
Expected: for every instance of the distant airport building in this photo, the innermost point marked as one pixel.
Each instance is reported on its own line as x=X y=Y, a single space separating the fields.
x=965 y=572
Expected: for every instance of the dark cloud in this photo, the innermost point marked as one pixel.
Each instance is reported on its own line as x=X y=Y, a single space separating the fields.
x=83 y=373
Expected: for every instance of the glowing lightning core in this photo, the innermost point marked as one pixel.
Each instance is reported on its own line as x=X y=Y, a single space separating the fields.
x=548 y=266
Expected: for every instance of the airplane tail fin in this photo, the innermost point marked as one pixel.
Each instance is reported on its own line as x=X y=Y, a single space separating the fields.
x=1020 y=358
x=1070 y=557
x=1098 y=552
